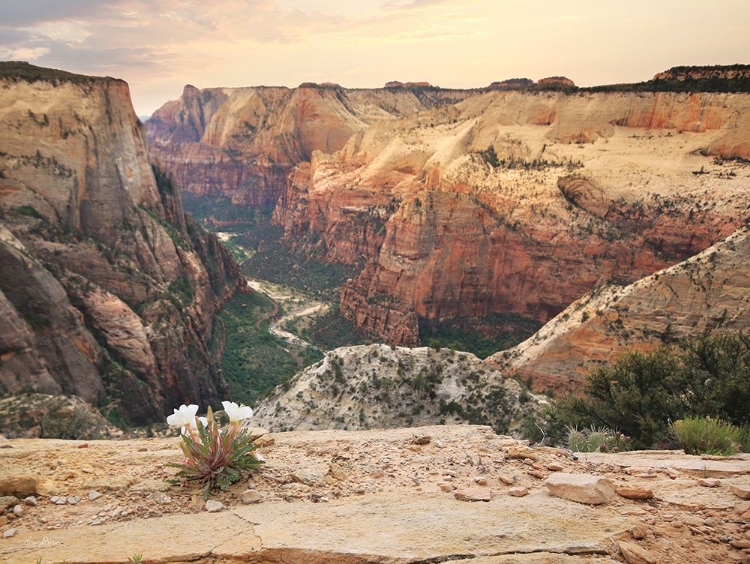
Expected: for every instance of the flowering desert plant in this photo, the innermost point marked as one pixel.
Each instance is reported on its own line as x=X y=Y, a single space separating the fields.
x=214 y=456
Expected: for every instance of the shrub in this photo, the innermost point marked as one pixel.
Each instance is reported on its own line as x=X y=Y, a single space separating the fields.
x=596 y=439
x=639 y=394
x=67 y=421
x=703 y=435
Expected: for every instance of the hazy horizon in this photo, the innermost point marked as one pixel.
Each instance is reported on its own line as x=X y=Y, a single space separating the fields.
x=158 y=46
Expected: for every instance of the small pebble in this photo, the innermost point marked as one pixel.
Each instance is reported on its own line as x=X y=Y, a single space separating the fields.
x=18 y=511
x=31 y=500
x=250 y=496
x=518 y=492
x=213 y=506
x=93 y=495
x=9 y=533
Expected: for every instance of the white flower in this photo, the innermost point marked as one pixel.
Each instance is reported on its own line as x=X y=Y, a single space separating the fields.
x=184 y=417
x=259 y=457
x=235 y=412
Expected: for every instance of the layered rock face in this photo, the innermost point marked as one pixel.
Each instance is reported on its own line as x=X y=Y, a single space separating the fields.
x=243 y=142
x=464 y=204
x=707 y=292
x=383 y=387
x=519 y=202
x=107 y=290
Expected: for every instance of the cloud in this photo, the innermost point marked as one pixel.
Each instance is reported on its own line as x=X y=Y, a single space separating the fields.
x=414 y=4
x=23 y=53
x=21 y=13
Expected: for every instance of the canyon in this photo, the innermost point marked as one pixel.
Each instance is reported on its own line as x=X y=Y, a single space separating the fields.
x=108 y=290
x=457 y=208
x=705 y=293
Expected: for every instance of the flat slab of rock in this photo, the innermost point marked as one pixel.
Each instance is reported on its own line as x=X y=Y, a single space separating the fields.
x=583 y=488
x=635 y=554
x=634 y=492
x=420 y=527
x=743 y=492
x=521 y=452
x=473 y=494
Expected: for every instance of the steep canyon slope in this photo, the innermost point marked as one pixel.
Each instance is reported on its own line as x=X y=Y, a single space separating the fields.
x=516 y=202
x=704 y=293
x=107 y=289
x=460 y=206
x=243 y=142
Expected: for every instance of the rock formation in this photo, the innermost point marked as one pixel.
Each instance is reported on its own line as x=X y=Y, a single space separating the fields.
x=515 y=202
x=707 y=292
x=243 y=142
x=460 y=205
x=107 y=290
x=555 y=82
x=378 y=496
x=378 y=386
x=512 y=84
x=702 y=73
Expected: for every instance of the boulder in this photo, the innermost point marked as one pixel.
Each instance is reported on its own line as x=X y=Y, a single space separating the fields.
x=583 y=488
x=741 y=491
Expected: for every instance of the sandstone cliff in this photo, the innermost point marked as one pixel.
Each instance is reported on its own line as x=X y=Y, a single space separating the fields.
x=107 y=290
x=707 y=292
x=378 y=386
x=243 y=142
x=459 y=205
x=519 y=202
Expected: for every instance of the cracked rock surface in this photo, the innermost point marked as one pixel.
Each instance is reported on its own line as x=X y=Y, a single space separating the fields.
x=383 y=496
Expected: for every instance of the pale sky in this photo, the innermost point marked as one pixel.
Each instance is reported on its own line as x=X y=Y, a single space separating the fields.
x=158 y=46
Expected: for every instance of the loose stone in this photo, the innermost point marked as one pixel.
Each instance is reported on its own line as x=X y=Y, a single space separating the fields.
x=520 y=452
x=709 y=482
x=250 y=496
x=31 y=500
x=518 y=492
x=7 y=501
x=634 y=492
x=94 y=495
x=635 y=554
x=9 y=533
x=18 y=511
x=583 y=488
x=473 y=494
x=213 y=506
x=743 y=492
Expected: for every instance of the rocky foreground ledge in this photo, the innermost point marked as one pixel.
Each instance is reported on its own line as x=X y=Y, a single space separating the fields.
x=421 y=495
